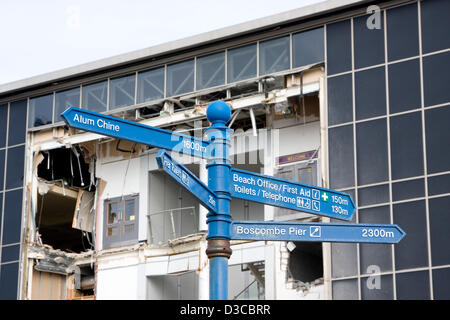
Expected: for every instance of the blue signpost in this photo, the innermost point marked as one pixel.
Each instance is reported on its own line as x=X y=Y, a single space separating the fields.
x=187 y=179
x=136 y=132
x=219 y=168
x=316 y=231
x=225 y=182
x=291 y=195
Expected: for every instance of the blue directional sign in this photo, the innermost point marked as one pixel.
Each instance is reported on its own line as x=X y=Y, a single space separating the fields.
x=311 y=231
x=136 y=132
x=241 y=184
x=291 y=195
x=187 y=179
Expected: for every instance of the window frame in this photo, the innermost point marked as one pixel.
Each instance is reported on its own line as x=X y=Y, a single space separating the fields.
x=122 y=238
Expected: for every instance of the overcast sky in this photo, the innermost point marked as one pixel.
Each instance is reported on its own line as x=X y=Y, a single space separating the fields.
x=46 y=35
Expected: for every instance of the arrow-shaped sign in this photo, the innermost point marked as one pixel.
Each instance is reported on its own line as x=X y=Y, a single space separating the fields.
x=291 y=195
x=136 y=132
x=188 y=180
x=321 y=232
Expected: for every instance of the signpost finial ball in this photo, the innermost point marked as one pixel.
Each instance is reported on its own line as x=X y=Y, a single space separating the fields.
x=218 y=111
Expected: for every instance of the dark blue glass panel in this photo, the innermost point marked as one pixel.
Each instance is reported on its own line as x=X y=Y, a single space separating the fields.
x=370 y=93
x=342 y=170
x=408 y=189
x=436 y=78
x=435 y=25
x=406 y=145
x=373 y=195
x=402 y=32
x=307 y=47
x=339 y=47
x=439 y=230
x=12 y=217
x=441 y=284
x=437 y=135
x=439 y=184
x=371 y=151
x=64 y=100
x=1 y=210
x=10 y=253
x=40 y=111
x=15 y=167
x=9 y=274
x=3 y=124
x=340 y=99
x=375 y=215
x=17 y=122
x=413 y=285
x=369 y=43
x=411 y=251
x=2 y=169
x=404 y=86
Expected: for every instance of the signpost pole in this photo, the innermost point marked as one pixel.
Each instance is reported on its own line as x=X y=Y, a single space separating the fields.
x=219 y=168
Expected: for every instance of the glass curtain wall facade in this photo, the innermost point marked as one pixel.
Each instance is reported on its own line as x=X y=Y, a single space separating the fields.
x=13 y=123
x=388 y=116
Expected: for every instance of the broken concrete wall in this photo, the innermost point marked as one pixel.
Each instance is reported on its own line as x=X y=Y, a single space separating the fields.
x=83 y=218
x=58 y=275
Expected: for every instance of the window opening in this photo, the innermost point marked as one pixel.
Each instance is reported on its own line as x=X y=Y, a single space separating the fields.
x=65 y=197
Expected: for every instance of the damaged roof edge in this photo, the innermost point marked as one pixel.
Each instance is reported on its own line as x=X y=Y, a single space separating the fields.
x=186 y=43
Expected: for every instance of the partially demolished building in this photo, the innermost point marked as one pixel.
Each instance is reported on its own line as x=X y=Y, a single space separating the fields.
x=317 y=96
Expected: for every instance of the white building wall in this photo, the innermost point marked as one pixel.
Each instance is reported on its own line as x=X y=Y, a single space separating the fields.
x=298 y=139
x=119 y=278
x=122 y=177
